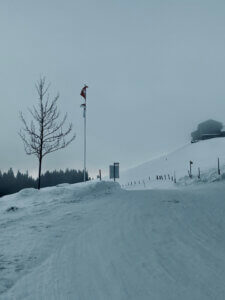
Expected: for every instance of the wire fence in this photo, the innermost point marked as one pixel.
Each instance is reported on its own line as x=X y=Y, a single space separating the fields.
x=169 y=177
x=147 y=180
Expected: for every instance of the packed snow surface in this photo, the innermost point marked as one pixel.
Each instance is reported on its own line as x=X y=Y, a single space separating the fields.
x=98 y=241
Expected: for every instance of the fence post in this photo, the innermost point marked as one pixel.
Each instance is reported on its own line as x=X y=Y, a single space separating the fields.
x=218 y=166
x=199 y=173
x=190 y=172
x=175 y=177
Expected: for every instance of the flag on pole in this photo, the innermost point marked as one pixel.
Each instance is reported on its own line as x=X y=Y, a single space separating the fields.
x=83 y=92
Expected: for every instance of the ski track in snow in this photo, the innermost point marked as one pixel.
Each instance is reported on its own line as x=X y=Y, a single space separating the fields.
x=100 y=242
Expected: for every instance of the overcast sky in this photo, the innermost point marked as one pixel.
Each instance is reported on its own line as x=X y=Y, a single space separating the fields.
x=154 y=68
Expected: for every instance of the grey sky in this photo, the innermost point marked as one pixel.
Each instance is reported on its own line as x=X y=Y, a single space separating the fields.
x=154 y=70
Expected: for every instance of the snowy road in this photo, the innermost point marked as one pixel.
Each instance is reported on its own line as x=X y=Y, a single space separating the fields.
x=105 y=243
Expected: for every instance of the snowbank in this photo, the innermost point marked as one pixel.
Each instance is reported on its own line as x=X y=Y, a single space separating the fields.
x=32 y=222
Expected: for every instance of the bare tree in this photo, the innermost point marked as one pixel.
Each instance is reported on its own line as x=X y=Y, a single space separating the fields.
x=46 y=132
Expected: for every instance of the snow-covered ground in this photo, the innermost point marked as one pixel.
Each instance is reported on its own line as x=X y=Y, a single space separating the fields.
x=203 y=154
x=98 y=241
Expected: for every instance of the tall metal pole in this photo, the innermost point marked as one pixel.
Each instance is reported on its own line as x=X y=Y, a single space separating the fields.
x=84 y=105
x=85 y=114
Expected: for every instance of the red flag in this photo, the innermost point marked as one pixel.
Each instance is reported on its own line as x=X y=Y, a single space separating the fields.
x=83 y=92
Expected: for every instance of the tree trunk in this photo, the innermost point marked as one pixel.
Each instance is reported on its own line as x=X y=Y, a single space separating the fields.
x=39 y=173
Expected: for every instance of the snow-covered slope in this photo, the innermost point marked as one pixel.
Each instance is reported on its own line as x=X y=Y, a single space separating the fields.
x=97 y=241
x=204 y=155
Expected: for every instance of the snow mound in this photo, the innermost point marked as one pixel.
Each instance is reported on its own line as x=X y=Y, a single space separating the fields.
x=208 y=176
x=32 y=224
x=60 y=193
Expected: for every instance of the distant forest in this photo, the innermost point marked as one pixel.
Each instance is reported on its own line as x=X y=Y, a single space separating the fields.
x=13 y=183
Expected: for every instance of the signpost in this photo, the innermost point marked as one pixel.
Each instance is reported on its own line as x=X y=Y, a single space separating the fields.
x=114 y=171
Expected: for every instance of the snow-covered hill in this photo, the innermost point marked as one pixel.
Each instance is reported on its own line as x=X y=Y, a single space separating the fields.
x=98 y=241
x=204 y=155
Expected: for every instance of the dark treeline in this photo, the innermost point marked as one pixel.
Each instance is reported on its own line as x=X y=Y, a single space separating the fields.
x=12 y=183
